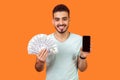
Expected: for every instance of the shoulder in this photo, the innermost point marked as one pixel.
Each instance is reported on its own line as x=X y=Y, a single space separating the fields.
x=73 y=35
x=51 y=35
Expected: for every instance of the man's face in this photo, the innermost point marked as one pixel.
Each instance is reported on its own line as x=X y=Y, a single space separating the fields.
x=61 y=21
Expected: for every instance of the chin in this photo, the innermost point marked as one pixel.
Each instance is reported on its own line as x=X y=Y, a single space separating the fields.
x=62 y=31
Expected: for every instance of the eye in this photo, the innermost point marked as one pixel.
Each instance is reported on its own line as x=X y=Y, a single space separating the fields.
x=56 y=19
x=64 y=18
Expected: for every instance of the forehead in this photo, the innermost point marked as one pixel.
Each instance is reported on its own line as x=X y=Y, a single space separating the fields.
x=60 y=14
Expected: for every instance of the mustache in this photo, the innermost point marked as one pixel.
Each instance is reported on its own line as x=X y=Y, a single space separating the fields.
x=61 y=25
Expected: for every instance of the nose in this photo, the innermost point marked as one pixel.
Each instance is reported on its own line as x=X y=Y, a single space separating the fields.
x=61 y=22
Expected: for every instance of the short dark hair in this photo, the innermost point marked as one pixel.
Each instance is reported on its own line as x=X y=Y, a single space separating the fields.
x=61 y=7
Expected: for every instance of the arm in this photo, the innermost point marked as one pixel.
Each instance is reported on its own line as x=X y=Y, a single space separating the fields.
x=82 y=62
x=40 y=60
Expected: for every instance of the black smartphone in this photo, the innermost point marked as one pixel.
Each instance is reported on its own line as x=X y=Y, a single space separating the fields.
x=86 y=43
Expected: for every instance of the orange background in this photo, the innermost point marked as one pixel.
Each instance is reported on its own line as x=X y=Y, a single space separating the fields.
x=22 y=19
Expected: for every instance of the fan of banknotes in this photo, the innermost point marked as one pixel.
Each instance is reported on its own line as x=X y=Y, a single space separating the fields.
x=41 y=41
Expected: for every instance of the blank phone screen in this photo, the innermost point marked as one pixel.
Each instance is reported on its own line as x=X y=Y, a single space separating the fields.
x=86 y=44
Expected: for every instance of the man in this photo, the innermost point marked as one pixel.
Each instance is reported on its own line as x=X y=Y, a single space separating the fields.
x=65 y=64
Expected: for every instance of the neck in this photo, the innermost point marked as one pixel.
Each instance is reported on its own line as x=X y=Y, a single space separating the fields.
x=61 y=37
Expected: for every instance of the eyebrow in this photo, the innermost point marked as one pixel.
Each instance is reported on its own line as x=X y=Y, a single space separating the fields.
x=64 y=17
x=56 y=18
x=59 y=18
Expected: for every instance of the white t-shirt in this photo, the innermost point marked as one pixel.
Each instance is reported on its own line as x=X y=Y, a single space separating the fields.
x=63 y=65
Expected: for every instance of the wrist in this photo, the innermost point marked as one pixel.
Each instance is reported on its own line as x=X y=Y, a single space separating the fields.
x=81 y=57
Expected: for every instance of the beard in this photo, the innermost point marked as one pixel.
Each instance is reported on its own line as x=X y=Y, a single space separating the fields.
x=61 y=30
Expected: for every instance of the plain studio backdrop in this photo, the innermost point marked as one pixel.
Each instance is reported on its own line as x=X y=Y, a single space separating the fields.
x=22 y=19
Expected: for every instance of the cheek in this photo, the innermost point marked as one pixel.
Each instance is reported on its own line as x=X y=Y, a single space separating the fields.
x=66 y=22
x=56 y=23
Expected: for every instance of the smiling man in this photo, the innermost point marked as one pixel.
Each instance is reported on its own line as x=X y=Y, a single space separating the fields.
x=61 y=21
x=65 y=64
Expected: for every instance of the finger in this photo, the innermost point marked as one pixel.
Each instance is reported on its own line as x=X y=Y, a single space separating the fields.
x=81 y=49
x=85 y=54
x=40 y=53
x=45 y=55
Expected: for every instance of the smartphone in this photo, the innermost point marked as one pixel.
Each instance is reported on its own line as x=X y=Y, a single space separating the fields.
x=86 y=43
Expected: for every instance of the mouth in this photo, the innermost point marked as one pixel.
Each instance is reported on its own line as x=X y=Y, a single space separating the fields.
x=61 y=27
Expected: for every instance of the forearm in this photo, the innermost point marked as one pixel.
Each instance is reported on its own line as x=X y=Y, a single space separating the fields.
x=82 y=64
x=39 y=65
